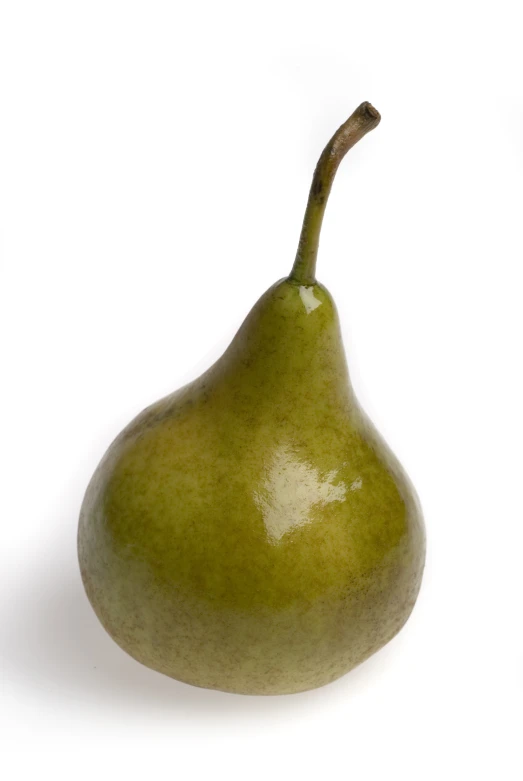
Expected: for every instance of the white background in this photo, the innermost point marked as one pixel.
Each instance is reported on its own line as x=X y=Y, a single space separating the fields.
x=155 y=161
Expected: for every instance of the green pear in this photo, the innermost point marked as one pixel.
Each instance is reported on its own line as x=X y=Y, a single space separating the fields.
x=252 y=532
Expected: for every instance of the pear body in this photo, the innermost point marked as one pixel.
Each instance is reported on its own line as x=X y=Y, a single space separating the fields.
x=252 y=532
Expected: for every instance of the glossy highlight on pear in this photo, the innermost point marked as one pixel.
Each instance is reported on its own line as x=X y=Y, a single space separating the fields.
x=252 y=532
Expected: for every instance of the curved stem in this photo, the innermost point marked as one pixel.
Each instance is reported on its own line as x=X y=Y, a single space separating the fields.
x=365 y=118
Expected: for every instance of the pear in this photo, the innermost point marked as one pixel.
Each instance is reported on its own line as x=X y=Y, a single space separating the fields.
x=252 y=532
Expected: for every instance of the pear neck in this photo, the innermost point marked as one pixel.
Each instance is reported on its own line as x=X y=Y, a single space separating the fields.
x=364 y=119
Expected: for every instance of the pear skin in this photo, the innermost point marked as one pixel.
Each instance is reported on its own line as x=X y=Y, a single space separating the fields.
x=252 y=532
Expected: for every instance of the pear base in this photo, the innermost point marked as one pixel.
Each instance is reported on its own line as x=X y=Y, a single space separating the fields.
x=249 y=655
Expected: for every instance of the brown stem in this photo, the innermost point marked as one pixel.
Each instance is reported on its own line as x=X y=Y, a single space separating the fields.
x=365 y=118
